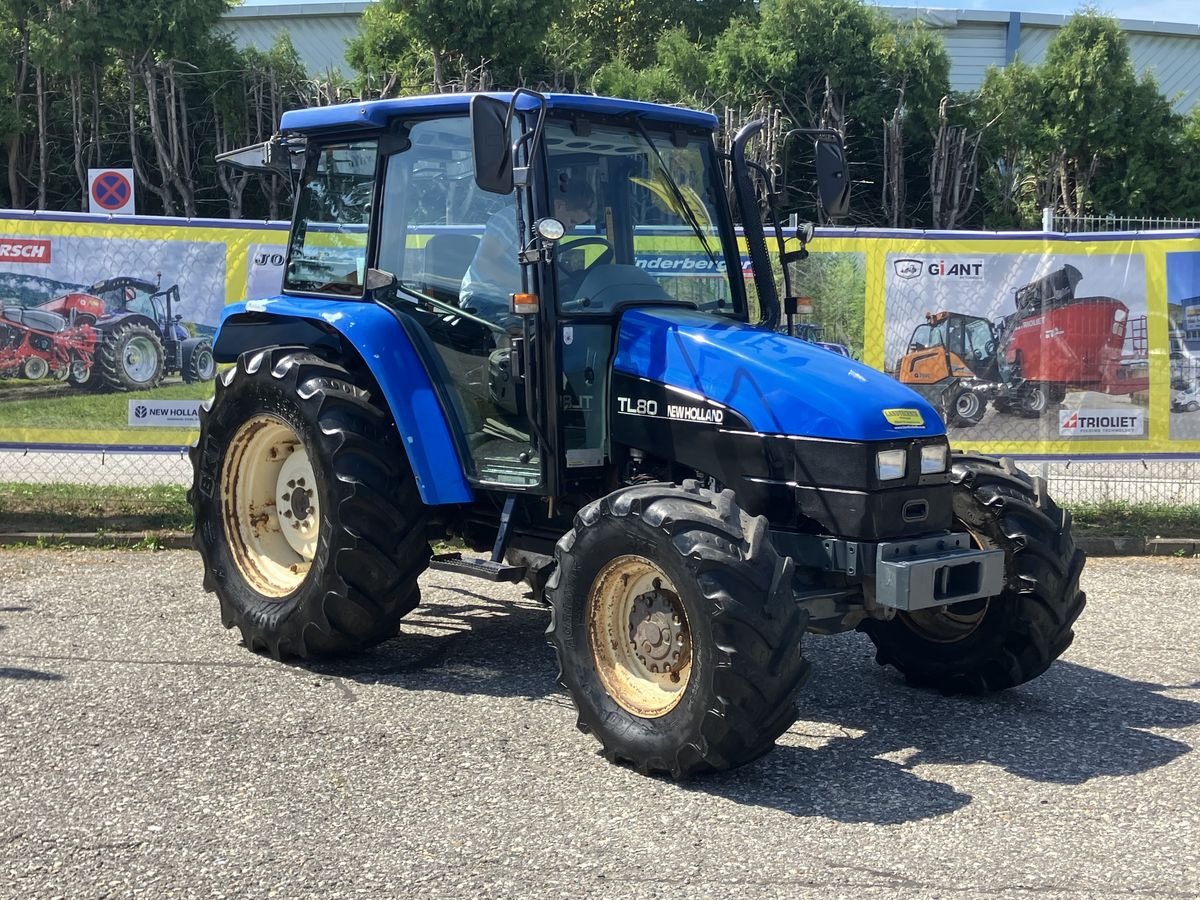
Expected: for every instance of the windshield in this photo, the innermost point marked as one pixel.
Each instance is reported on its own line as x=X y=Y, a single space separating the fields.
x=643 y=211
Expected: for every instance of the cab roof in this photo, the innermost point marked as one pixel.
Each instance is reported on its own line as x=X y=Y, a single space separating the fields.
x=373 y=114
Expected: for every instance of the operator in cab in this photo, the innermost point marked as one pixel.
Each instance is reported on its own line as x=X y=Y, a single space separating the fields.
x=495 y=271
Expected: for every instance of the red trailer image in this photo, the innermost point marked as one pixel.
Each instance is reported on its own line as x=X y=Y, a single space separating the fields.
x=1066 y=342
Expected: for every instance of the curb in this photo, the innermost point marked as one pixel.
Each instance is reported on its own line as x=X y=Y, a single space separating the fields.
x=165 y=540
x=1134 y=546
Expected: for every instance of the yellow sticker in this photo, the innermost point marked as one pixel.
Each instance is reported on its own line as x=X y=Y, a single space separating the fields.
x=904 y=418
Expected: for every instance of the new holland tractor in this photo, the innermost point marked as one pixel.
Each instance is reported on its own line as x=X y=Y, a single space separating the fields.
x=689 y=490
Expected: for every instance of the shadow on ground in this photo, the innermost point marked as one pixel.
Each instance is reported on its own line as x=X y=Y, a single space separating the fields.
x=16 y=674
x=1071 y=725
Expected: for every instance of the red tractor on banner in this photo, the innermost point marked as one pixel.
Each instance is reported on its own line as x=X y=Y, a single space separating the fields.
x=38 y=343
x=1026 y=362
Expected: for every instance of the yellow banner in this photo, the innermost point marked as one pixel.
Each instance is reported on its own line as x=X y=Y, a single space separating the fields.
x=1028 y=345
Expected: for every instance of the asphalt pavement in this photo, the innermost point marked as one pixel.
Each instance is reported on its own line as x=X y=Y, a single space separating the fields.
x=145 y=753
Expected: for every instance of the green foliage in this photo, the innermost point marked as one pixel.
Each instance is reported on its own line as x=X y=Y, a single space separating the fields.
x=158 y=84
x=1080 y=131
x=1117 y=517
x=837 y=285
x=91 y=508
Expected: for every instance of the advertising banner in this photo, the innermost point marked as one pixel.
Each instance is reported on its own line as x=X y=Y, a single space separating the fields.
x=1030 y=345
x=1036 y=345
x=106 y=324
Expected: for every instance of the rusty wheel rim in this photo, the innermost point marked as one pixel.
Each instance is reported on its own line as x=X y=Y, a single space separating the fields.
x=639 y=636
x=270 y=506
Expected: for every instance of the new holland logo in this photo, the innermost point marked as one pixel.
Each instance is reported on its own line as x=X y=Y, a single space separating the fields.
x=1100 y=422
x=164 y=413
x=908 y=268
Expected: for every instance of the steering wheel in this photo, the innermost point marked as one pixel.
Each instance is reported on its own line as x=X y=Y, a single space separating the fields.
x=570 y=279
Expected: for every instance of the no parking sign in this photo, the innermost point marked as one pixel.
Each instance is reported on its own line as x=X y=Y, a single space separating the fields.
x=110 y=191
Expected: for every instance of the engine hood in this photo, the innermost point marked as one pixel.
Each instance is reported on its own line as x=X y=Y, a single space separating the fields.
x=779 y=384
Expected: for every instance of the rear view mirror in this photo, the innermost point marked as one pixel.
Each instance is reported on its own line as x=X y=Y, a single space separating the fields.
x=490 y=142
x=826 y=155
x=833 y=178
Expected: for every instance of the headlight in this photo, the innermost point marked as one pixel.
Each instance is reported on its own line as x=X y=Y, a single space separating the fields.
x=890 y=464
x=933 y=458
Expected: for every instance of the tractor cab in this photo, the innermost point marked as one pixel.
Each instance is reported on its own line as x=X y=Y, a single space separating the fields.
x=511 y=236
x=962 y=345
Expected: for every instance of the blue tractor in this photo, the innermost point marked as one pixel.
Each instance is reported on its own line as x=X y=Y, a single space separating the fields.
x=470 y=342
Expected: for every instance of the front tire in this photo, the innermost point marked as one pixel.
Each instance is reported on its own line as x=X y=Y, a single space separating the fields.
x=964 y=408
x=308 y=518
x=997 y=642
x=198 y=361
x=676 y=631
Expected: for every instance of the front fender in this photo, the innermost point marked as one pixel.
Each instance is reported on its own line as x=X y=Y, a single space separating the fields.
x=388 y=352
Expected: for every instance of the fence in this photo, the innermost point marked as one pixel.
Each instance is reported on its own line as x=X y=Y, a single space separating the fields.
x=867 y=290
x=1051 y=222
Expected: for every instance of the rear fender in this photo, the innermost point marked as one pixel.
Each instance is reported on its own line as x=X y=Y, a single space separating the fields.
x=384 y=346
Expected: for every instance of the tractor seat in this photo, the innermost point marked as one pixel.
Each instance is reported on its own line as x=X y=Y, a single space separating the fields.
x=447 y=258
x=38 y=319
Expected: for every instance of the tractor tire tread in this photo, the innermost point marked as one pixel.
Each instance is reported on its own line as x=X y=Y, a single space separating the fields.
x=370 y=583
x=107 y=370
x=1041 y=595
x=756 y=625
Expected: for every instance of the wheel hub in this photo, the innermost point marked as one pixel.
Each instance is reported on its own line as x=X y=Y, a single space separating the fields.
x=639 y=636
x=270 y=505
x=296 y=498
x=656 y=632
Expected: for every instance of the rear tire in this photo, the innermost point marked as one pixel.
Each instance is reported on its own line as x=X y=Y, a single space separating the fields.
x=726 y=672
x=1035 y=400
x=129 y=358
x=998 y=642
x=337 y=574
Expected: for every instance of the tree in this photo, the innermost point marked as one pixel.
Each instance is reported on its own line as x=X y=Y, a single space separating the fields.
x=1089 y=83
x=153 y=38
x=387 y=53
x=840 y=64
x=468 y=45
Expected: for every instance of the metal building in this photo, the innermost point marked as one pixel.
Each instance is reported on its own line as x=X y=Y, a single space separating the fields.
x=975 y=40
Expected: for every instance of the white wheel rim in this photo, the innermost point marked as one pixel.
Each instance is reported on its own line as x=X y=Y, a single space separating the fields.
x=270 y=506
x=968 y=405
x=641 y=647
x=140 y=359
x=205 y=366
x=35 y=367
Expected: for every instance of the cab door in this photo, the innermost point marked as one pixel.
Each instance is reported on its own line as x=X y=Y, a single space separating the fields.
x=453 y=249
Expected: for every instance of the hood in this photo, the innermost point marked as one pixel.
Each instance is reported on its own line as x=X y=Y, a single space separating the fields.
x=779 y=384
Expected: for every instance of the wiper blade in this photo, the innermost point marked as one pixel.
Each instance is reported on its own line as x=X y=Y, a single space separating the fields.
x=685 y=210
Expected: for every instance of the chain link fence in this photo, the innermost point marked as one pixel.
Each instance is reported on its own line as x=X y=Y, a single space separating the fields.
x=126 y=484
